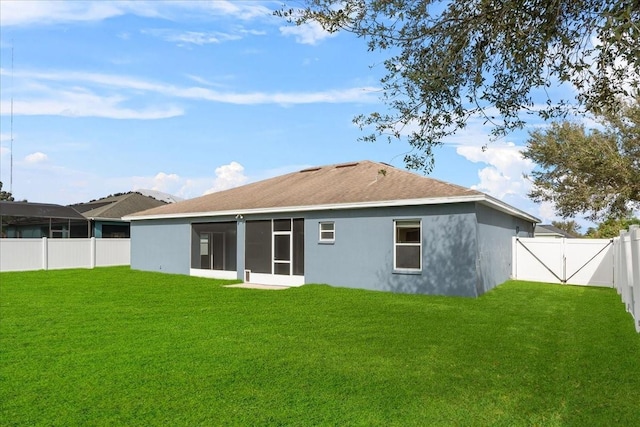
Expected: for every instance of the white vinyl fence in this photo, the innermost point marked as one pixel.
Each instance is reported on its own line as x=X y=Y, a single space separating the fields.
x=587 y=262
x=52 y=254
x=627 y=271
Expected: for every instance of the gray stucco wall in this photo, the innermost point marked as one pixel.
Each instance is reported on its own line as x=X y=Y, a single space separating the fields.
x=495 y=230
x=466 y=247
x=362 y=255
x=161 y=245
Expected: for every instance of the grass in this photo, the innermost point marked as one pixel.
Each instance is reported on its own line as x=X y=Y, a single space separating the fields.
x=112 y=346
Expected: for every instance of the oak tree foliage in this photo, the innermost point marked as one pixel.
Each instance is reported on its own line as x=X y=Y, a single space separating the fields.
x=5 y=195
x=452 y=61
x=611 y=227
x=594 y=172
x=570 y=226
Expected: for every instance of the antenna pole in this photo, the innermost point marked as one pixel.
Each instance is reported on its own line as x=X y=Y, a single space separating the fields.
x=11 y=126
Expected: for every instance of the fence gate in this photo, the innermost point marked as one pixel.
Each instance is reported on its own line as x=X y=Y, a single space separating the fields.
x=570 y=261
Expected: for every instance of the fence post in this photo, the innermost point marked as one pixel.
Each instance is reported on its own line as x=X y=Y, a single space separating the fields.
x=93 y=253
x=514 y=257
x=616 y=257
x=634 y=237
x=45 y=253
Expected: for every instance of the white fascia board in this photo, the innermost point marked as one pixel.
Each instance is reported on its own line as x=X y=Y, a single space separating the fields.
x=97 y=218
x=482 y=198
x=506 y=208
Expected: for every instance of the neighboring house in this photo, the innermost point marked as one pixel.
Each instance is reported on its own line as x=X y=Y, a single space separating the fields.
x=35 y=220
x=548 y=230
x=99 y=218
x=361 y=225
x=106 y=214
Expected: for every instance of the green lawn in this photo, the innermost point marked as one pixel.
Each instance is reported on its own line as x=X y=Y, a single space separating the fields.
x=115 y=347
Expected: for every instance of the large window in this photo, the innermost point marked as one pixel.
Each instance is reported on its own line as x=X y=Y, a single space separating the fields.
x=407 y=242
x=214 y=246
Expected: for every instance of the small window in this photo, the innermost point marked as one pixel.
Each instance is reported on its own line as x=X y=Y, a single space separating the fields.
x=407 y=246
x=327 y=232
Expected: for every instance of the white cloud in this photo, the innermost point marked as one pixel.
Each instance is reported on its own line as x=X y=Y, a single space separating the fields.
x=228 y=176
x=22 y=13
x=310 y=33
x=244 y=10
x=192 y=37
x=104 y=95
x=82 y=104
x=547 y=212
x=166 y=182
x=504 y=175
x=37 y=157
x=15 y=13
x=205 y=82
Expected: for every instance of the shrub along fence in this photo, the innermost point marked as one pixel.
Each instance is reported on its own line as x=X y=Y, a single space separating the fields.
x=51 y=254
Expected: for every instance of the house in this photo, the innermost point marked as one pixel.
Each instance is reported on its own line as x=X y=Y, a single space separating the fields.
x=362 y=224
x=106 y=213
x=548 y=230
x=100 y=218
x=35 y=220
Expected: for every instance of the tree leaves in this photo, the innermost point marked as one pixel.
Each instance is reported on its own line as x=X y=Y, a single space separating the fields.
x=5 y=195
x=595 y=172
x=466 y=58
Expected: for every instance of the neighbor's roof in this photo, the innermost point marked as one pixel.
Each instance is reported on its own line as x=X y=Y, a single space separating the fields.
x=115 y=207
x=343 y=186
x=38 y=210
x=159 y=195
x=551 y=230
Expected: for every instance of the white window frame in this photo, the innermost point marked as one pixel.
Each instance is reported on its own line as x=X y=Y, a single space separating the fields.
x=274 y=233
x=332 y=231
x=397 y=244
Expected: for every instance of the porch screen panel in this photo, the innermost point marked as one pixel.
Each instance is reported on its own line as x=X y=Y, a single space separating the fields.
x=214 y=246
x=218 y=250
x=258 y=246
x=281 y=248
x=231 y=248
x=298 y=246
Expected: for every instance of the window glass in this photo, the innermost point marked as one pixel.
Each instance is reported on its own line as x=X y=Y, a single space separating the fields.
x=408 y=246
x=408 y=232
x=408 y=257
x=327 y=231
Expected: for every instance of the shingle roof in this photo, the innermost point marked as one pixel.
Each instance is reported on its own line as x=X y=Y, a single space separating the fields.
x=363 y=182
x=551 y=230
x=38 y=210
x=116 y=207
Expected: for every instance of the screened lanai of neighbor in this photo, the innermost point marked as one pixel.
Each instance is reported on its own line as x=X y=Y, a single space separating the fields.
x=36 y=220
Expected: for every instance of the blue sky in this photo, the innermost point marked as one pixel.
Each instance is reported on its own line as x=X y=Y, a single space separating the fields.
x=189 y=97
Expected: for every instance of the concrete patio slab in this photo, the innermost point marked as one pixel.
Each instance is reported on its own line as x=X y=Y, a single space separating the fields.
x=258 y=286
